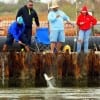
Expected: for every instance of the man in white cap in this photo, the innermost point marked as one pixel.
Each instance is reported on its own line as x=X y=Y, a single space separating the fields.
x=56 y=20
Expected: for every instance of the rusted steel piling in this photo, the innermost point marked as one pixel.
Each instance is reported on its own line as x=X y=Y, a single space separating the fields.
x=21 y=69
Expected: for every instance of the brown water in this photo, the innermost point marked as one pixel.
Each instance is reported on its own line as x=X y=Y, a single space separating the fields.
x=50 y=94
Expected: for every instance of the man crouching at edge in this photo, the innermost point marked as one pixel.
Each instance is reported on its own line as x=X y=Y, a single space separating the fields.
x=15 y=31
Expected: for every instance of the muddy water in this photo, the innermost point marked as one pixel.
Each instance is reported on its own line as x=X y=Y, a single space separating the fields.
x=50 y=94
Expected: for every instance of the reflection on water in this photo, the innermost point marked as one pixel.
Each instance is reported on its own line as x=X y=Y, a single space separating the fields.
x=51 y=94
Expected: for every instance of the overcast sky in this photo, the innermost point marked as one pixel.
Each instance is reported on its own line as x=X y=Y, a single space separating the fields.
x=16 y=1
x=9 y=1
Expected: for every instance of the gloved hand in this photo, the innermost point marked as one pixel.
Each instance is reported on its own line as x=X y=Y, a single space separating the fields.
x=82 y=23
x=20 y=42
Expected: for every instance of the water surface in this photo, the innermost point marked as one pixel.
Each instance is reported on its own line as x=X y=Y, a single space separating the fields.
x=50 y=94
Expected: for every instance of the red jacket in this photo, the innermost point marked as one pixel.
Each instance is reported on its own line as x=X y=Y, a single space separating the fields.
x=85 y=22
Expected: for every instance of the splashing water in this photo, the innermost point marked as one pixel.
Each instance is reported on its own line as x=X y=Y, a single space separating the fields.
x=48 y=80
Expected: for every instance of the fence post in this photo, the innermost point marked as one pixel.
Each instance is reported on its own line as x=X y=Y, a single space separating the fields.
x=3 y=72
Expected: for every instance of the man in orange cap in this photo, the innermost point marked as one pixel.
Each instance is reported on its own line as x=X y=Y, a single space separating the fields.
x=85 y=22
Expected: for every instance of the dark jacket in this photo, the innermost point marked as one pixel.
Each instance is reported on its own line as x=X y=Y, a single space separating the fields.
x=28 y=17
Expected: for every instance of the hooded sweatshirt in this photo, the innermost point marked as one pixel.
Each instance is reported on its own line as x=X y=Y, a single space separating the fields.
x=85 y=22
x=28 y=17
x=16 y=30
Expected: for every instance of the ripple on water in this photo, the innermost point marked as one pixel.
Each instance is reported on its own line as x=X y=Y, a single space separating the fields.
x=51 y=94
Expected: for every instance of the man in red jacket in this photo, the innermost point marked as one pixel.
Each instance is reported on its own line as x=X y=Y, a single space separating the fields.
x=85 y=22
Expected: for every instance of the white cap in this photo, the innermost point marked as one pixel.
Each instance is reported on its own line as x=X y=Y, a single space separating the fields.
x=54 y=4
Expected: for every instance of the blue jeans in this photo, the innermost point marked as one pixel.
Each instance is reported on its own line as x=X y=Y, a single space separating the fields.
x=83 y=38
x=10 y=39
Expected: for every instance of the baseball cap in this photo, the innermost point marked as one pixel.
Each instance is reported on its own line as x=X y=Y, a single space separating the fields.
x=20 y=20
